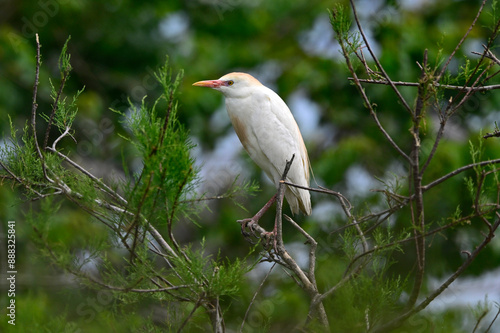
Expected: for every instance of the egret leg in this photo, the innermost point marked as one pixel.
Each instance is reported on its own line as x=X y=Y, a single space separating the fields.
x=251 y=222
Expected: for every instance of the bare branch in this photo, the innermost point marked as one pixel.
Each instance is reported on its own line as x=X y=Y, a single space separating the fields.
x=435 y=84
x=496 y=134
x=457 y=171
x=377 y=62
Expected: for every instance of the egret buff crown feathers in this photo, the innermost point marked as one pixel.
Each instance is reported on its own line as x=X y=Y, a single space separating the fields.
x=268 y=132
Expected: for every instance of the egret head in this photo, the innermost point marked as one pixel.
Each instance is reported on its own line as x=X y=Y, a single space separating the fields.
x=232 y=84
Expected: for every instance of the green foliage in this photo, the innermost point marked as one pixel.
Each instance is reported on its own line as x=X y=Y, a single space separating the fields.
x=467 y=72
x=65 y=112
x=340 y=21
x=349 y=40
x=493 y=12
x=250 y=187
x=167 y=176
x=222 y=278
x=20 y=155
x=64 y=61
x=350 y=243
x=484 y=186
x=365 y=302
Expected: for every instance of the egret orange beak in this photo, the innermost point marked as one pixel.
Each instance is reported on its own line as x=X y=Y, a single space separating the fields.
x=210 y=83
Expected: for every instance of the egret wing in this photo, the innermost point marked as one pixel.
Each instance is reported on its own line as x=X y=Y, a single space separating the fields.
x=277 y=136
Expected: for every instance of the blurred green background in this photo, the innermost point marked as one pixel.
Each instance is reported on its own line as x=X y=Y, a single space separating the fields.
x=289 y=46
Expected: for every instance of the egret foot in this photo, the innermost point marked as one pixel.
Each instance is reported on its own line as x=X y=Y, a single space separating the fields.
x=253 y=223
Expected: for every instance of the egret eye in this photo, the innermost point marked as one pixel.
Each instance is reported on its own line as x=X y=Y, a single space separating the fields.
x=230 y=82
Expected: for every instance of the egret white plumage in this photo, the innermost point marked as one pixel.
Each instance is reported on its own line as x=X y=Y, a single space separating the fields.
x=269 y=133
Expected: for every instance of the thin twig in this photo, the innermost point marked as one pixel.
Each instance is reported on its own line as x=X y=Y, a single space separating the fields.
x=137 y=213
x=346 y=206
x=196 y=306
x=493 y=321
x=481 y=317
x=377 y=62
x=19 y=180
x=255 y=296
x=488 y=54
x=170 y=220
x=496 y=133
x=312 y=249
x=468 y=93
x=167 y=118
x=55 y=107
x=34 y=107
x=449 y=110
x=469 y=259
x=215 y=197
x=362 y=92
x=464 y=37
x=457 y=171
x=135 y=290
x=346 y=278
x=96 y=180
x=415 y=182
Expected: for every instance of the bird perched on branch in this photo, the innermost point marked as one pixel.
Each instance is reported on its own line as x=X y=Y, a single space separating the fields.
x=269 y=134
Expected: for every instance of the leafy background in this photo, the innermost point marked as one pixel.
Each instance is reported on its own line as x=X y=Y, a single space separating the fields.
x=116 y=46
